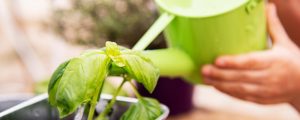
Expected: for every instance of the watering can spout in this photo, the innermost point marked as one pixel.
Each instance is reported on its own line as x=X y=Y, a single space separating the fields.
x=172 y=62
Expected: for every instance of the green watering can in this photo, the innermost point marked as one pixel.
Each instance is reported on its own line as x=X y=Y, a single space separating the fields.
x=198 y=31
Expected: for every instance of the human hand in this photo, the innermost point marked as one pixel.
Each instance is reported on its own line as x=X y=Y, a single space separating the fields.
x=266 y=77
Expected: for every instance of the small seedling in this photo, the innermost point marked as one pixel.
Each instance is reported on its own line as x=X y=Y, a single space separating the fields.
x=79 y=82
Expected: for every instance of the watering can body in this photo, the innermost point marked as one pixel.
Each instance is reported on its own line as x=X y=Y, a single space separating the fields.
x=240 y=29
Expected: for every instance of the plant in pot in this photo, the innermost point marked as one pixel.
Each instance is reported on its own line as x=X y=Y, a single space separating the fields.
x=79 y=82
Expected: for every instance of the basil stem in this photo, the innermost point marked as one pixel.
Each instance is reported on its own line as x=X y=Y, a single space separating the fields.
x=94 y=101
x=111 y=103
x=135 y=90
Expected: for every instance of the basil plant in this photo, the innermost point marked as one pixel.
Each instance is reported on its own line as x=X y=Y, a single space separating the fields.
x=79 y=82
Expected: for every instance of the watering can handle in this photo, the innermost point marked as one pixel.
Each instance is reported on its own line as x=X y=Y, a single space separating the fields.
x=159 y=25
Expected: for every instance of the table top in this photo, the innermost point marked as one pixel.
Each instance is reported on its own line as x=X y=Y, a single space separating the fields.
x=211 y=104
x=204 y=114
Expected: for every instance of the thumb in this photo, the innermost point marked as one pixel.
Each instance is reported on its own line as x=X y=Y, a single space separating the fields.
x=275 y=28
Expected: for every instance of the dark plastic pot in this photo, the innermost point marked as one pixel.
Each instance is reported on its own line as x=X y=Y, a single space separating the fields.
x=173 y=92
x=38 y=108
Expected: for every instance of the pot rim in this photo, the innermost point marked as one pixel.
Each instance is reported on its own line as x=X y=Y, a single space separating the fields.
x=44 y=96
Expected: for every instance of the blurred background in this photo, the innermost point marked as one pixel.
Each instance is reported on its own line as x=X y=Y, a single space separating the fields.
x=37 y=35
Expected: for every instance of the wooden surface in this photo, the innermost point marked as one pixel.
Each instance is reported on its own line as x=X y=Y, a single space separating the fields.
x=211 y=104
x=203 y=114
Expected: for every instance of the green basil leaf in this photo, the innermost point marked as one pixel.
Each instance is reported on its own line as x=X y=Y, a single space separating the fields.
x=141 y=69
x=144 y=109
x=113 y=51
x=80 y=79
x=54 y=81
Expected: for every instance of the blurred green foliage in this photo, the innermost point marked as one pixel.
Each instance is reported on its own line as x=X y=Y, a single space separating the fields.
x=93 y=22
